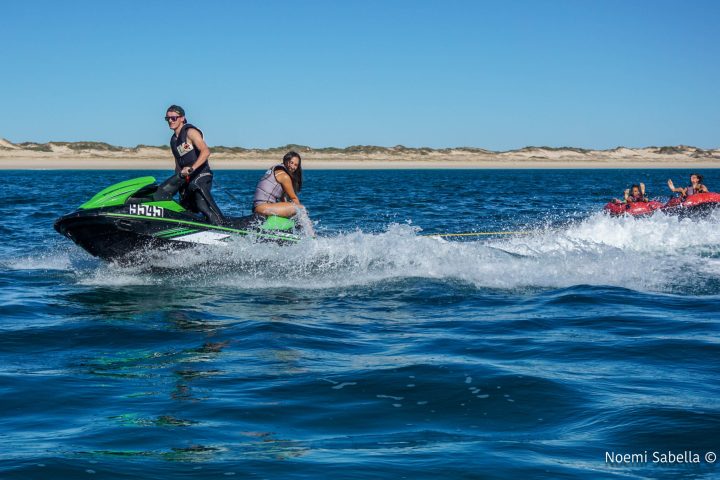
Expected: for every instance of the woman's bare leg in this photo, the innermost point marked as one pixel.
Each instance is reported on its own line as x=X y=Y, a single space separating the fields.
x=288 y=210
x=281 y=209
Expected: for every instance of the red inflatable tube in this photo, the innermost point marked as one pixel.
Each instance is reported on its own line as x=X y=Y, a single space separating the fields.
x=699 y=201
x=632 y=208
x=678 y=205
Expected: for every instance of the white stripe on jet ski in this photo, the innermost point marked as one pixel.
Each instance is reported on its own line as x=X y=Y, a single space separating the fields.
x=203 y=238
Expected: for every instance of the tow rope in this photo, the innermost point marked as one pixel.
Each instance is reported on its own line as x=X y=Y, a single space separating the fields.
x=471 y=234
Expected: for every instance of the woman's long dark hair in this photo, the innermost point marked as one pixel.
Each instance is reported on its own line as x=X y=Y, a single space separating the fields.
x=297 y=176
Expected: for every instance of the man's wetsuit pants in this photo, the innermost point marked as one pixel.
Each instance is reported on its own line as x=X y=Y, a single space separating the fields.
x=194 y=195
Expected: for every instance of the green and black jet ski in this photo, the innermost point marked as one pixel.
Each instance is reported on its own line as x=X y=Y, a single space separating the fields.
x=130 y=217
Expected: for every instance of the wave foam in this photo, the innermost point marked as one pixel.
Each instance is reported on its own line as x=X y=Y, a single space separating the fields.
x=642 y=254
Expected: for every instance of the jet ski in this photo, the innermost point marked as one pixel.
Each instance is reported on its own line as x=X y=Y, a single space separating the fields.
x=692 y=205
x=127 y=218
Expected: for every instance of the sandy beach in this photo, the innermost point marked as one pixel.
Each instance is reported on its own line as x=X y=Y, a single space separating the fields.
x=100 y=156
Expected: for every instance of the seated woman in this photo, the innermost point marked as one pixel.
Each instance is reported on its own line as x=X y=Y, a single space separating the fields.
x=276 y=192
x=635 y=194
x=696 y=186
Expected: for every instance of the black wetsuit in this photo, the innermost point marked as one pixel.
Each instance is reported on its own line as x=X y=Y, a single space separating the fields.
x=194 y=190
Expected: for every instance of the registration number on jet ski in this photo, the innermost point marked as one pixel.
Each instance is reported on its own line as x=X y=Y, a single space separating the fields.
x=146 y=210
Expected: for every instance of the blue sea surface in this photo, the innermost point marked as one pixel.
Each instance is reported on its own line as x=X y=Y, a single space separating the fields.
x=374 y=351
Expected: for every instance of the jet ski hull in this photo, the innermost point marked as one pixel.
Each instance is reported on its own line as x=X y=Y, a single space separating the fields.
x=114 y=235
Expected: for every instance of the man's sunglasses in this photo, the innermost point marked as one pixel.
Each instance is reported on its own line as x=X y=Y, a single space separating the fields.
x=171 y=119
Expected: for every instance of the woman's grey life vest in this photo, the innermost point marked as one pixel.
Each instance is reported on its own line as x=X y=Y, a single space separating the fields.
x=690 y=190
x=186 y=153
x=268 y=189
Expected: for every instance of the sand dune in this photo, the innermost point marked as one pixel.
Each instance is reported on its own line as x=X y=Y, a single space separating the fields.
x=96 y=155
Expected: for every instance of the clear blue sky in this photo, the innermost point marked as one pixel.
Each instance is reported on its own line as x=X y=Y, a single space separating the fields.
x=492 y=74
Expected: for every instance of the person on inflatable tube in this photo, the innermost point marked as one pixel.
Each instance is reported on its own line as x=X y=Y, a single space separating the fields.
x=634 y=194
x=696 y=186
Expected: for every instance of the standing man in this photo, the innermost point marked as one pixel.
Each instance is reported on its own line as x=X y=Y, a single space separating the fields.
x=193 y=174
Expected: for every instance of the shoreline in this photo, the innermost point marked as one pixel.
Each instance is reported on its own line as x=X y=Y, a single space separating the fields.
x=98 y=163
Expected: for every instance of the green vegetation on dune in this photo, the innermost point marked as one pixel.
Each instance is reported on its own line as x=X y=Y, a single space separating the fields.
x=684 y=149
x=671 y=150
x=35 y=147
x=369 y=150
x=101 y=146
x=554 y=149
x=141 y=146
x=224 y=149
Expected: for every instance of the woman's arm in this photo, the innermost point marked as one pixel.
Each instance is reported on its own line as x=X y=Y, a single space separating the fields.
x=286 y=182
x=676 y=190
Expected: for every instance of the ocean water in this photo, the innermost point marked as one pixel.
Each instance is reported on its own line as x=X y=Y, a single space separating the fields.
x=373 y=351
